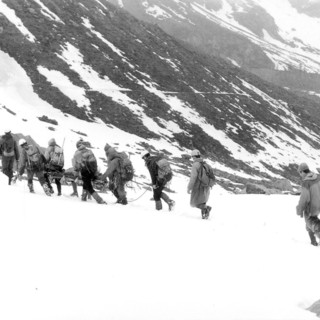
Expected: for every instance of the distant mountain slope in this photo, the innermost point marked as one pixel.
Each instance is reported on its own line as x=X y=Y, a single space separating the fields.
x=90 y=60
x=256 y=35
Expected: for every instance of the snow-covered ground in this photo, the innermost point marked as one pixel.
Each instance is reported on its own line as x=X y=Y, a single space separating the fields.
x=63 y=259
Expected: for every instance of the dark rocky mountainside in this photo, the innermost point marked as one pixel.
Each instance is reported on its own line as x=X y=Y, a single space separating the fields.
x=246 y=33
x=234 y=118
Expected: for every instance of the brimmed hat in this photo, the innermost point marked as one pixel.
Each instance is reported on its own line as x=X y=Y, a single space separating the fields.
x=195 y=153
x=107 y=146
x=302 y=167
x=79 y=143
x=145 y=154
x=22 y=142
x=52 y=142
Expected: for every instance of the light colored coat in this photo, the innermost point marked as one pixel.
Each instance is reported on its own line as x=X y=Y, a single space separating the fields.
x=309 y=203
x=199 y=193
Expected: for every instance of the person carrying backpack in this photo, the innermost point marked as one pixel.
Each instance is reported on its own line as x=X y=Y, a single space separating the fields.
x=55 y=162
x=85 y=163
x=33 y=161
x=199 y=191
x=309 y=202
x=117 y=173
x=10 y=153
x=161 y=174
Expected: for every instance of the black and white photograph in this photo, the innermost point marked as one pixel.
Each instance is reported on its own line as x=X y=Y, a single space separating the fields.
x=159 y=159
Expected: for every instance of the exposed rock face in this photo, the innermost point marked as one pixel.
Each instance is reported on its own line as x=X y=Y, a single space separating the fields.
x=282 y=184
x=252 y=188
x=315 y=308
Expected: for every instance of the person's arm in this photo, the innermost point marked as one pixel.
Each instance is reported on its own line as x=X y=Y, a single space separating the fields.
x=16 y=151
x=153 y=170
x=47 y=153
x=193 y=176
x=303 y=202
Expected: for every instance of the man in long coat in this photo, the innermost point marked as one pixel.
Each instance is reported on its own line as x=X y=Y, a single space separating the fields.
x=199 y=193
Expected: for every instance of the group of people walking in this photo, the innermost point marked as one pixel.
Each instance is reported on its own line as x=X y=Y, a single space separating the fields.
x=48 y=167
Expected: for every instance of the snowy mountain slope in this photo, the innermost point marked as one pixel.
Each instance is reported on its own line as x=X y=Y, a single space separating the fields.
x=257 y=35
x=72 y=69
x=64 y=259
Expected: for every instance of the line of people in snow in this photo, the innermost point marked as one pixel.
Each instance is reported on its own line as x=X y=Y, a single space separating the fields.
x=308 y=206
x=48 y=167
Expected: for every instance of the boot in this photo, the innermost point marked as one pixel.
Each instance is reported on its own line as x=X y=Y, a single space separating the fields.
x=98 y=198
x=123 y=201
x=203 y=213
x=166 y=199
x=75 y=190
x=312 y=238
x=30 y=185
x=158 y=205
x=171 y=205
x=84 y=195
x=59 y=189
x=208 y=209
x=46 y=189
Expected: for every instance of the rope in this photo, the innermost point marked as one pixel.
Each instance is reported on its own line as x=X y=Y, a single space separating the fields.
x=139 y=196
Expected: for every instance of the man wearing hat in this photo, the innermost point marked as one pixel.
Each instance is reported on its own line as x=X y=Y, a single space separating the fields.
x=158 y=182
x=10 y=153
x=85 y=163
x=199 y=193
x=309 y=203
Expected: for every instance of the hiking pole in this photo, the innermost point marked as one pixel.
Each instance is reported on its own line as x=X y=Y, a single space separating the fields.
x=144 y=184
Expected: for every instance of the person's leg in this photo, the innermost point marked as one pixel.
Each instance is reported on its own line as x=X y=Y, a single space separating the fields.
x=10 y=169
x=157 y=197
x=43 y=181
x=30 y=175
x=167 y=200
x=74 y=188
x=58 y=183
x=205 y=210
x=312 y=236
x=122 y=195
x=6 y=162
x=47 y=181
x=87 y=185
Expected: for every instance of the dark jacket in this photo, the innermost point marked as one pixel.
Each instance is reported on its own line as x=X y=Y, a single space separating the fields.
x=152 y=166
x=309 y=203
x=7 y=142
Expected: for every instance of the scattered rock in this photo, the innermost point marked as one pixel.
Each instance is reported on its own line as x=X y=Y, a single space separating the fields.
x=315 y=308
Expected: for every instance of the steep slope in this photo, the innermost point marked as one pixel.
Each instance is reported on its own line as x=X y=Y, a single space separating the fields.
x=264 y=37
x=118 y=76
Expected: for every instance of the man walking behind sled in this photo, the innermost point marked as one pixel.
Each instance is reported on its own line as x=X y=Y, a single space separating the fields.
x=55 y=162
x=10 y=153
x=199 y=192
x=309 y=202
x=85 y=162
x=113 y=173
x=159 y=178
x=32 y=159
